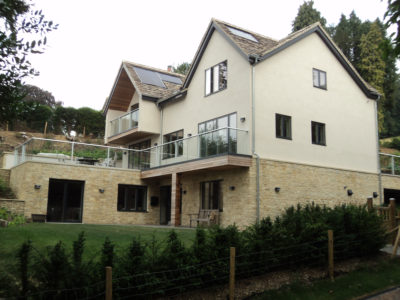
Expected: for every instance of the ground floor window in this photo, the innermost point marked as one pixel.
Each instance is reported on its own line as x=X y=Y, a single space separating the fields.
x=211 y=195
x=132 y=197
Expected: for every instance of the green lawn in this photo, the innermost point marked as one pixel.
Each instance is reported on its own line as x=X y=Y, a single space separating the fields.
x=43 y=235
x=355 y=284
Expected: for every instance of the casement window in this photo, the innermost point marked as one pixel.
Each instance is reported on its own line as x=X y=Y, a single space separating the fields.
x=173 y=148
x=132 y=198
x=283 y=126
x=319 y=79
x=216 y=78
x=318 y=133
x=215 y=136
x=211 y=195
x=139 y=159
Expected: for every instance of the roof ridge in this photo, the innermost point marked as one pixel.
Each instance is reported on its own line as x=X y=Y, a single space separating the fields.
x=301 y=30
x=243 y=29
x=152 y=68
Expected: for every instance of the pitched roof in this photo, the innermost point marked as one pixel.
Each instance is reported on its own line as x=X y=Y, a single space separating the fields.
x=252 y=45
x=128 y=82
x=151 y=90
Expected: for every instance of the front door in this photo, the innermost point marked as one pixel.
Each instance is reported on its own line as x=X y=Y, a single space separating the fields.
x=65 y=201
x=165 y=205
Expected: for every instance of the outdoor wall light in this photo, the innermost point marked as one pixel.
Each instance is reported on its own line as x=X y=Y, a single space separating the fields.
x=37 y=186
x=155 y=144
x=189 y=134
x=184 y=192
x=232 y=188
x=125 y=153
x=101 y=191
x=375 y=194
x=349 y=192
x=242 y=119
x=277 y=189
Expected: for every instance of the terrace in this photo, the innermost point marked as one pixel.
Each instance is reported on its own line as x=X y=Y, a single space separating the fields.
x=217 y=148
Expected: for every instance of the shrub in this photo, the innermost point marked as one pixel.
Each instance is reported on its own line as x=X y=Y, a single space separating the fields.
x=13 y=219
x=5 y=190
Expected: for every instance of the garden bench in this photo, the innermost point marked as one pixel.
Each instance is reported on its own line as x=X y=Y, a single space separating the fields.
x=209 y=216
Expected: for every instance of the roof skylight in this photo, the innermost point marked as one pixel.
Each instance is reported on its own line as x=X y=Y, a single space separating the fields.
x=242 y=34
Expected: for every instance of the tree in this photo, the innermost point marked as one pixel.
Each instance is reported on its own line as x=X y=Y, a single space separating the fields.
x=22 y=32
x=91 y=121
x=347 y=35
x=35 y=94
x=372 y=66
x=307 y=15
x=392 y=16
x=182 y=68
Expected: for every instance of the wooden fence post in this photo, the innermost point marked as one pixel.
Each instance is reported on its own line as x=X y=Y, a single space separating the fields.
x=108 y=283
x=45 y=129
x=330 y=254
x=370 y=205
x=232 y=274
x=392 y=216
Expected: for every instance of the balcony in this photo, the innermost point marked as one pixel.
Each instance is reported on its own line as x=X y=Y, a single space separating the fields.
x=123 y=127
x=390 y=164
x=220 y=148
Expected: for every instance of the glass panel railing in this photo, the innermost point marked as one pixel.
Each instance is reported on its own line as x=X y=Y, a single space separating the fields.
x=390 y=164
x=125 y=122
x=216 y=142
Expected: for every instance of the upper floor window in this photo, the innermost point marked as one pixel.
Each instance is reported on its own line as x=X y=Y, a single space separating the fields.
x=318 y=133
x=132 y=197
x=319 y=79
x=173 y=149
x=216 y=78
x=283 y=126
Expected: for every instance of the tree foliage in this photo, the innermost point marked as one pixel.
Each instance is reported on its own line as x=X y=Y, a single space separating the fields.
x=392 y=16
x=36 y=94
x=307 y=15
x=22 y=32
x=182 y=68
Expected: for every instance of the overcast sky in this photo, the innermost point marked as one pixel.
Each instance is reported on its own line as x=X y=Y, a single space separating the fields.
x=94 y=36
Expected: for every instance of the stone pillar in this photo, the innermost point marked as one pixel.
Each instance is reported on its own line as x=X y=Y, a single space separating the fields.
x=175 y=200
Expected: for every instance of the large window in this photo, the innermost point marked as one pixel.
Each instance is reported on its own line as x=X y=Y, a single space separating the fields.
x=215 y=136
x=211 y=195
x=132 y=197
x=319 y=79
x=173 y=149
x=318 y=133
x=283 y=126
x=216 y=78
x=141 y=159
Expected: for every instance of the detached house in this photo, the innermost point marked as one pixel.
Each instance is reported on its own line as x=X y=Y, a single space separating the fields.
x=257 y=125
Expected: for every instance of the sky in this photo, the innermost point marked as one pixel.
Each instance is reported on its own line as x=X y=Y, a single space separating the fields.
x=84 y=54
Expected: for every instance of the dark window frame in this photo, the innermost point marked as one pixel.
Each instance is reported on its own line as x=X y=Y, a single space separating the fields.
x=224 y=82
x=318 y=133
x=122 y=201
x=319 y=85
x=214 y=204
x=169 y=150
x=283 y=126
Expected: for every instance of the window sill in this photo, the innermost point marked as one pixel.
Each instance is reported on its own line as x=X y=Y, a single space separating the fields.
x=319 y=144
x=321 y=87
x=133 y=211
x=284 y=138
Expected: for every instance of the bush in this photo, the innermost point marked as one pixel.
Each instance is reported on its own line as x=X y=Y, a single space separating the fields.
x=297 y=238
x=5 y=190
x=13 y=219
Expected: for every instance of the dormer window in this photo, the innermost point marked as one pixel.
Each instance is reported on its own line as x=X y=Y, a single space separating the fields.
x=216 y=78
x=319 y=79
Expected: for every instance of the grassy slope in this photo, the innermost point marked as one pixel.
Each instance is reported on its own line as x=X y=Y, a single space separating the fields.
x=43 y=235
x=348 y=286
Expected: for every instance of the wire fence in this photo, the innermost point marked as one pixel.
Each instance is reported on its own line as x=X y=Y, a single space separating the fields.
x=217 y=272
